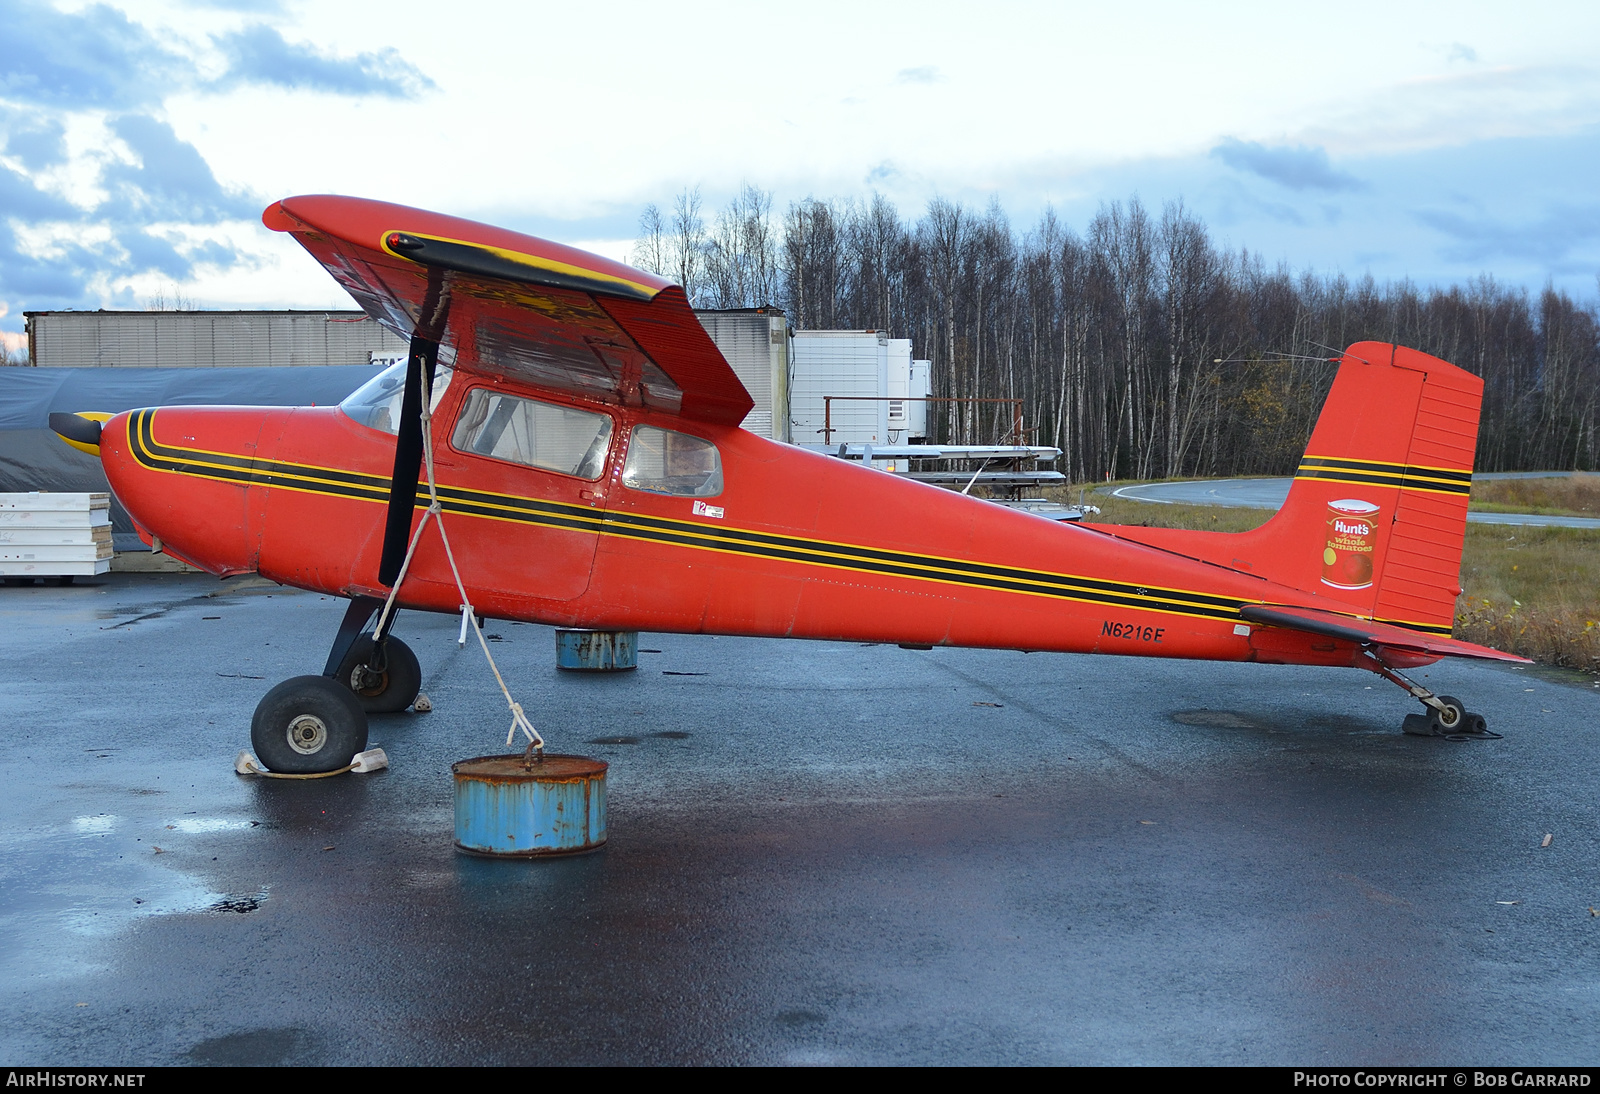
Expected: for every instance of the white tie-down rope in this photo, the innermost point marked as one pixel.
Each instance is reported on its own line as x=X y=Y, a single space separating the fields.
x=435 y=512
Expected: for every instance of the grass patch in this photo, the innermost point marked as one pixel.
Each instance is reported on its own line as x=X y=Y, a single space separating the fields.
x=1576 y=496
x=1207 y=518
x=1529 y=591
x=1534 y=592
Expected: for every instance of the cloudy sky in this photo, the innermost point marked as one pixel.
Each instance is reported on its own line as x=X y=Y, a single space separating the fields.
x=139 y=142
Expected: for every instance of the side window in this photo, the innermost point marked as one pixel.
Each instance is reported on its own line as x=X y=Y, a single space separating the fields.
x=664 y=462
x=526 y=431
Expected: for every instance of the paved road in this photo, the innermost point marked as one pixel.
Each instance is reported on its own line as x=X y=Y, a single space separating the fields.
x=845 y=854
x=1270 y=494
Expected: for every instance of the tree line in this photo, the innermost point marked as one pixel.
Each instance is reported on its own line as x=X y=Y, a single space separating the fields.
x=1139 y=347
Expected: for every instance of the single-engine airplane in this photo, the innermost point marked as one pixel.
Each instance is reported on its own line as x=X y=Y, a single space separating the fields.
x=588 y=457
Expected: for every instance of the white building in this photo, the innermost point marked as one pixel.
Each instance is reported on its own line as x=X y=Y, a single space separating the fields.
x=205 y=339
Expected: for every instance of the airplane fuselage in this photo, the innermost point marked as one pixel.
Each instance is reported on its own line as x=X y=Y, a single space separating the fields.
x=793 y=544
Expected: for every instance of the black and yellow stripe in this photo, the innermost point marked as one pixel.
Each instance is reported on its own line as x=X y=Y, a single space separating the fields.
x=1438 y=480
x=692 y=534
x=334 y=482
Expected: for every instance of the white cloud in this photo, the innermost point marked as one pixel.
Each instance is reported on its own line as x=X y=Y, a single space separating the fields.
x=572 y=117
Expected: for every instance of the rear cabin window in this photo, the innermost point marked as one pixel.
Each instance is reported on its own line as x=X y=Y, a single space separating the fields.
x=533 y=433
x=663 y=462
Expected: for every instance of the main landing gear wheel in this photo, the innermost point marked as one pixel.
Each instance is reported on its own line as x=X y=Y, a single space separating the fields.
x=387 y=689
x=308 y=725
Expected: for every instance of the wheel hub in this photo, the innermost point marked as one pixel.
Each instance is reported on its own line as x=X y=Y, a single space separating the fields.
x=307 y=734
x=368 y=681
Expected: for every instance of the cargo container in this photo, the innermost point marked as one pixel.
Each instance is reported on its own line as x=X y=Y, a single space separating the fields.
x=756 y=343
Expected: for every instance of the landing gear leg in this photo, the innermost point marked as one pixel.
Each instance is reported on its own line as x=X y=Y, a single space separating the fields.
x=380 y=669
x=1445 y=715
x=355 y=621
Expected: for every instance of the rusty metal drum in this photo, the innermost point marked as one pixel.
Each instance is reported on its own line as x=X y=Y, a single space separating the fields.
x=521 y=807
x=596 y=651
x=1347 y=556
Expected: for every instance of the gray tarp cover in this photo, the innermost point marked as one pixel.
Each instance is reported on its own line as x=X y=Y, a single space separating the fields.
x=33 y=458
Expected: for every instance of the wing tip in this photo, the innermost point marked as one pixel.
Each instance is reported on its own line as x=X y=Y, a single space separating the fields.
x=277 y=218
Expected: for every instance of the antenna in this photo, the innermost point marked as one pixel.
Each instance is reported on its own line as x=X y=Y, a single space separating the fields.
x=1275 y=357
x=1341 y=353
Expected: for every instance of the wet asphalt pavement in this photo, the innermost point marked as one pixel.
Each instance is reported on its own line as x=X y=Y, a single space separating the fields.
x=819 y=853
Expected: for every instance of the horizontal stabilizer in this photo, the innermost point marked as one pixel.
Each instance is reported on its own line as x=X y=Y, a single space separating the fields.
x=1366 y=633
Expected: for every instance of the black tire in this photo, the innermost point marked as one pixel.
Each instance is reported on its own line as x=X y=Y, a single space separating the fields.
x=399 y=680
x=1453 y=719
x=308 y=725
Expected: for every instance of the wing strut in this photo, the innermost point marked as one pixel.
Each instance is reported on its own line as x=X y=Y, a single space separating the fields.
x=424 y=359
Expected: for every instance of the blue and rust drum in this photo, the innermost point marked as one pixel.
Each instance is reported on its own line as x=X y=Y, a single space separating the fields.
x=530 y=807
x=596 y=651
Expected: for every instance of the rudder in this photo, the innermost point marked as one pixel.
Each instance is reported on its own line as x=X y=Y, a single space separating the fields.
x=1382 y=490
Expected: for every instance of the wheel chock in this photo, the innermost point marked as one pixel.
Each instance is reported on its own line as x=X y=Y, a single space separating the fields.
x=373 y=759
x=1418 y=724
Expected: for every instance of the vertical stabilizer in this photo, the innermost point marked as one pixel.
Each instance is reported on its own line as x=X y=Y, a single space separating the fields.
x=1377 y=512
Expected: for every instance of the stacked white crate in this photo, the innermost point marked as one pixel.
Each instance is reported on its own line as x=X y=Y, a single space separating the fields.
x=55 y=535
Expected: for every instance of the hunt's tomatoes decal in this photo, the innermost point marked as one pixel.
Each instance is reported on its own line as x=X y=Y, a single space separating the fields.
x=1352 y=534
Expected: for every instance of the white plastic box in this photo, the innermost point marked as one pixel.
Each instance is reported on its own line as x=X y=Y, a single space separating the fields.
x=55 y=535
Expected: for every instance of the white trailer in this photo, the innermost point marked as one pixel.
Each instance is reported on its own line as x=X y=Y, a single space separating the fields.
x=850 y=387
x=756 y=343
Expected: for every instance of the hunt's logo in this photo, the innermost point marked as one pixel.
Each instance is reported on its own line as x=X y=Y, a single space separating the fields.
x=1347 y=556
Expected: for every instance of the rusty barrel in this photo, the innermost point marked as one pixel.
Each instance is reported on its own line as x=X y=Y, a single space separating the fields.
x=507 y=806
x=596 y=651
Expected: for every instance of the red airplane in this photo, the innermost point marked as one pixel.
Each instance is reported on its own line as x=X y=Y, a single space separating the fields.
x=589 y=464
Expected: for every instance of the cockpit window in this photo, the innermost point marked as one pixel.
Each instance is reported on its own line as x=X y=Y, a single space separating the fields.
x=664 y=462
x=376 y=403
x=533 y=433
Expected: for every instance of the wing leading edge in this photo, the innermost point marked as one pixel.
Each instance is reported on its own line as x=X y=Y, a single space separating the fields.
x=523 y=308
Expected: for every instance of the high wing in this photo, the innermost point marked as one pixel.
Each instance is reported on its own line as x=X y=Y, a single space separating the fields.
x=1368 y=634
x=519 y=307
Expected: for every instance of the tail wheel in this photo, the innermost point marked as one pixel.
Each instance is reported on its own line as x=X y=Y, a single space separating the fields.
x=308 y=725
x=1453 y=718
x=387 y=689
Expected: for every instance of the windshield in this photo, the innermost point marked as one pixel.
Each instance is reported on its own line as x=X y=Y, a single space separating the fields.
x=376 y=403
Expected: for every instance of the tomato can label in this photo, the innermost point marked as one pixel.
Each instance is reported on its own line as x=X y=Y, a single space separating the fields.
x=1352 y=534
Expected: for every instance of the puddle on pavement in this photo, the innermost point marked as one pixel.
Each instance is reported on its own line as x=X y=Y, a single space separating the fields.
x=240 y=904
x=256 y=1048
x=1317 y=724
x=1217 y=719
x=195 y=826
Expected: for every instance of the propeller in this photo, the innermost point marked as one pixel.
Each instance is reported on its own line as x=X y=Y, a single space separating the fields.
x=81 y=431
